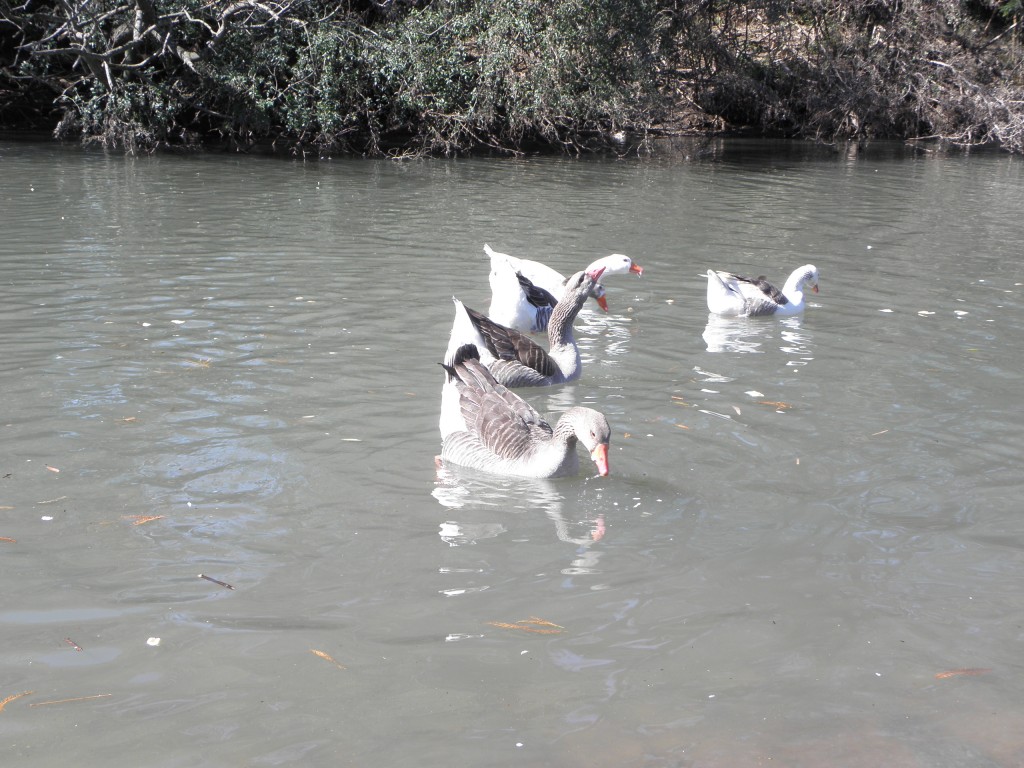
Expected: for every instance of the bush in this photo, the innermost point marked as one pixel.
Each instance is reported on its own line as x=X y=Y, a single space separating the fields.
x=453 y=76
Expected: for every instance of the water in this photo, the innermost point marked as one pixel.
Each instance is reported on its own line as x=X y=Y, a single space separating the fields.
x=809 y=552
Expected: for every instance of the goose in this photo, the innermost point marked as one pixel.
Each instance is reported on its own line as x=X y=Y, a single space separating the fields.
x=730 y=294
x=515 y=301
x=511 y=356
x=486 y=426
x=543 y=276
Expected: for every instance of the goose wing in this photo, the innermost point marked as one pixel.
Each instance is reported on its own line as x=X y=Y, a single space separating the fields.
x=759 y=296
x=505 y=424
x=767 y=289
x=536 y=295
x=511 y=345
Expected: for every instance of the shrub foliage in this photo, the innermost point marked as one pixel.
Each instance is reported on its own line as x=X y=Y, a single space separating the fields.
x=453 y=76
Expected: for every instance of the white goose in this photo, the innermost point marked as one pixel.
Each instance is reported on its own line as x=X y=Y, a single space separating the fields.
x=515 y=301
x=730 y=294
x=505 y=294
x=486 y=426
x=513 y=358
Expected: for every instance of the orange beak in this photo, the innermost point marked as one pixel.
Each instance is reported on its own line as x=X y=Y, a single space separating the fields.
x=600 y=457
x=636 y=268
x=602 y=302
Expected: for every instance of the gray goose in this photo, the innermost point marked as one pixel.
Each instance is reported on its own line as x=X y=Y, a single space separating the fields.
x=486 y=426
x=730 y=294
x=513 y=358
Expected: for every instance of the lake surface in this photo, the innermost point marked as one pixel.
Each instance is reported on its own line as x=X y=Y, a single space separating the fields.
x=810 y=551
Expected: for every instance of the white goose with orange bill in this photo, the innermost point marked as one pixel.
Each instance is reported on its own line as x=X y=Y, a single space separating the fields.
x=516 y=302
x=732 y=294
x=506 y=292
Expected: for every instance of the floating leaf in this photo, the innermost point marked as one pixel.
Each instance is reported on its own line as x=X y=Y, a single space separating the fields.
x=775 y=404
x=66 y=701
x=11 y=698
x=958 y=672
x=140 y=519
x=327 y=657
x=523 y=624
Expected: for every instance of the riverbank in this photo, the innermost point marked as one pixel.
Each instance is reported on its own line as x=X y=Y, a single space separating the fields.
x=447 y=78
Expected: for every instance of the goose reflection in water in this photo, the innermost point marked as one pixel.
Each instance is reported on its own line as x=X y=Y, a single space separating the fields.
x=458 y=487
x=746 y=334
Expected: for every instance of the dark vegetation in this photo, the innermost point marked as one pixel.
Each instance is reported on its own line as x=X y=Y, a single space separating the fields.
x=455 y=76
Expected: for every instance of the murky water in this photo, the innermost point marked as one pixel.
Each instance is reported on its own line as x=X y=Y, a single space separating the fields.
x=809 y=553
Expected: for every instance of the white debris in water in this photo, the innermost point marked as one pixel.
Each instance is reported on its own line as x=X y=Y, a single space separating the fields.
x=454 y=637
x=154 y=641
x=46 y=518
x=959 y=312
x=715 y=413
x=924 y=313
x=178 y=322
x=754 y=393
x=885 y=310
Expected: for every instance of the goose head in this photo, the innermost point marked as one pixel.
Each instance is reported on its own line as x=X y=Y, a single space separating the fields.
x=592 y=429
x=617 y=264
x=582 y=284
x=596 y=289
x=805 y=275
